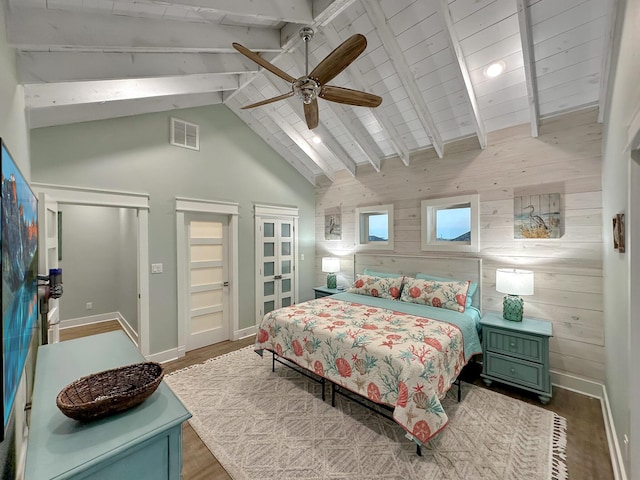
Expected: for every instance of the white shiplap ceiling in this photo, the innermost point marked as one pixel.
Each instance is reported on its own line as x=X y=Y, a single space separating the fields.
x=82 y=60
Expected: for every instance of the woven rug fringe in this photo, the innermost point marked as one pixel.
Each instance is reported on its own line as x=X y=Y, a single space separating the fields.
x=211 y=360
x=558 y=449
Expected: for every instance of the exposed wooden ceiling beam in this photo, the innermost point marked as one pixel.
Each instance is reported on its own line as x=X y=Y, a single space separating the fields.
x=41 y=95
x=606 y=61
x=87 y=112
x=359 y=139
x=327 y=139
x=324 y=11
x=390 y=43
x=290 y=34
x=357 y=78
x=37 y=67
x=297 y=138
x=529 y=64
x=297 y=11
x=56 y=30
x=263 y=133
x=456 y=49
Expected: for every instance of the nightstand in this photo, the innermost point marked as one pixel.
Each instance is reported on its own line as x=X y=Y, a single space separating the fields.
x=325 y=292
x=517 y=353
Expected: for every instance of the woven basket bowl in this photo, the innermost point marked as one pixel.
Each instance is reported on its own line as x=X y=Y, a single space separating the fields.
x=111 y=391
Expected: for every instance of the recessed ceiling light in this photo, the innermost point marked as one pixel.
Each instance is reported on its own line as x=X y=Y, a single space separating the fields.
x=317 y=139
x=495 y=69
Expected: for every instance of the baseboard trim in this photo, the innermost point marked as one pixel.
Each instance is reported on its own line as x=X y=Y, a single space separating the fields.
x=617 y=461
x=81 y=321
x=245 y=332
x=584 y=386
x=163 y=357
x=597 y=390
x=103 y=317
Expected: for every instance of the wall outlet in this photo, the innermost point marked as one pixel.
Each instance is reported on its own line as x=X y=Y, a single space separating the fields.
x=156 y=268
x=89 y=305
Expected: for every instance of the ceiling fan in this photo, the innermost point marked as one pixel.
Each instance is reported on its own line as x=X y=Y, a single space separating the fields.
x=314 y=84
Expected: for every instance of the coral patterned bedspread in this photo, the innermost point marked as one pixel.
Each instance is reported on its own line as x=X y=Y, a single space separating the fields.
x=392 y=357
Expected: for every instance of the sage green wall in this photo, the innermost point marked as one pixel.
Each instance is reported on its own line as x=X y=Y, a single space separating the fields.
x=624 y=101
x=133 y=154
x=14 y=131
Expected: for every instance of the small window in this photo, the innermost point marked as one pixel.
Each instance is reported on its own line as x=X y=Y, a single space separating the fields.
x=451 y=224
x=374 y=227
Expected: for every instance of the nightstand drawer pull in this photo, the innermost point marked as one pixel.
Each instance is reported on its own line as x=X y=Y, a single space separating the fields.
x=513 y=369
x=512 y=344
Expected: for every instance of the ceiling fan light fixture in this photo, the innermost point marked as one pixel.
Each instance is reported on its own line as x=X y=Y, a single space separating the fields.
x=495 y=69
x=307 y=89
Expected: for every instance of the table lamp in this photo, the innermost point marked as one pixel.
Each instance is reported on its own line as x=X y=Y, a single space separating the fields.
x=513 y=282
x=331 y=266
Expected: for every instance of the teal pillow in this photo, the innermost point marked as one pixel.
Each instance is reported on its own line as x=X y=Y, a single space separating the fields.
x=373 y=273
x=473 y=286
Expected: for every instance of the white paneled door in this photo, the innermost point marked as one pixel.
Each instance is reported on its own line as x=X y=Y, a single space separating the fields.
x=48 y=257
x=207 y=280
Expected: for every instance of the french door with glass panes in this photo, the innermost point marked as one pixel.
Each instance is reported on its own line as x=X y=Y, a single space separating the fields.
x=276 y=248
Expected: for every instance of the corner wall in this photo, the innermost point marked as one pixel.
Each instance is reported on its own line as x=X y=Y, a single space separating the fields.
x=621 y=322
x=565 y=159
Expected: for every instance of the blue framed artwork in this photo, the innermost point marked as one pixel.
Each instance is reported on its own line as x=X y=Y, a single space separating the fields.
x=19 y=250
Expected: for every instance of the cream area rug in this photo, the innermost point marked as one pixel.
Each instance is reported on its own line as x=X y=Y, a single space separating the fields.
x=265 y=425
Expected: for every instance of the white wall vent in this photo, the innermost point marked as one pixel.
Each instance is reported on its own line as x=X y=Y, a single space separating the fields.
x=185 y=134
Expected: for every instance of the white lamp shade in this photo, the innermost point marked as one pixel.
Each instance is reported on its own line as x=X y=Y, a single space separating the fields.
x=514 y=282
x=330 y=264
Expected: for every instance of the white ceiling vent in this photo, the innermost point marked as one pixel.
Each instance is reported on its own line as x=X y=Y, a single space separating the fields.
x=185 y=134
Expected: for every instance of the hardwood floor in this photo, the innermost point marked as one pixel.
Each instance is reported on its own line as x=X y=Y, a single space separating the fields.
x=587 y=449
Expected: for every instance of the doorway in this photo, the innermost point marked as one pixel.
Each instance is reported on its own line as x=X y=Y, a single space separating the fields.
x=139 y=203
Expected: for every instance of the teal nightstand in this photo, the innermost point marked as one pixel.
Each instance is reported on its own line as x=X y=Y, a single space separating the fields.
x=325 y=292
x=517 y=353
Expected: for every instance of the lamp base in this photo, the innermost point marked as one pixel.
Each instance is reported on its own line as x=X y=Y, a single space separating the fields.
x=332 y=281
x=512 y=308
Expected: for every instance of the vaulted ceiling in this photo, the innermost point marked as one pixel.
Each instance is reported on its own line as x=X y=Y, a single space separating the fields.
x=82 y=60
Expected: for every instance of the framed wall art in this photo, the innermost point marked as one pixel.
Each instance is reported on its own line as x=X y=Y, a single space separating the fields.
x=536 y=216
x=333 y=225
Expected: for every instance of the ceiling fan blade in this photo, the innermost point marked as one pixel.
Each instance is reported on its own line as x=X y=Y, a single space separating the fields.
x=263 y=63
x=311 y=114
x=350 y=97
x=339 y=59
x=268 y=100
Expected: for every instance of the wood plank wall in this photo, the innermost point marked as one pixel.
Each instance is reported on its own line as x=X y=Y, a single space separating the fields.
x=565 y=159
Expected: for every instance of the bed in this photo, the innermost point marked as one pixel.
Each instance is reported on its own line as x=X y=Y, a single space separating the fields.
x=381 y=341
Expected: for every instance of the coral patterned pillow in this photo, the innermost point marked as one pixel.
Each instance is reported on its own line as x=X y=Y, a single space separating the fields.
x=450 y=295
x=377 y=286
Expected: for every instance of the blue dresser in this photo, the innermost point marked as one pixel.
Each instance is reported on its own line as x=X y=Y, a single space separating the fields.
x=142 y=443
x=517 y=353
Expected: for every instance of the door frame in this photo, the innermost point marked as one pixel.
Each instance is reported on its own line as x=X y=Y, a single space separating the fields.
x=67 y=195
x=193 y=205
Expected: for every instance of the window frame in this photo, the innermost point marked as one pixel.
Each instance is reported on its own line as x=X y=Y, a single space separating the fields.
x=428 y=227
x=362 y=214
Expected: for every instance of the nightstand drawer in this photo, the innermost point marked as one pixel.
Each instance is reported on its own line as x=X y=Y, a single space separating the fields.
x=527 y=347
x=515 y=371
